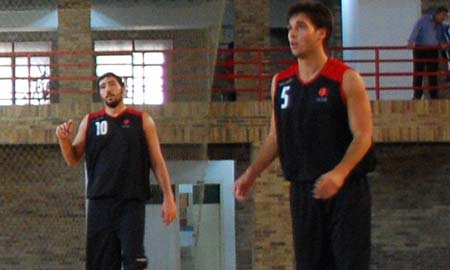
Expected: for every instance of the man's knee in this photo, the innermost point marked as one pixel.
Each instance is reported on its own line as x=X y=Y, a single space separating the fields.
x=138 y=264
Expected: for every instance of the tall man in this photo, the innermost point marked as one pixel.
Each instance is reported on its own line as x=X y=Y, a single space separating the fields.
x=121 y=145
x=428 y=31
x=321 y=129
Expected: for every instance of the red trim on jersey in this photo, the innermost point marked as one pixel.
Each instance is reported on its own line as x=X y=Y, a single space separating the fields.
x=285 y=74
x=119 y=115
x=96 y=114
x=335 y=69
x=133 y=111
x=103 y=112
x=313 y=78
x=92 y=116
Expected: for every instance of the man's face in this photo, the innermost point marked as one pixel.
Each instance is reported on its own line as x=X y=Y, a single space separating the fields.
x=111 y=91
x=304 y=36
x=441 y=17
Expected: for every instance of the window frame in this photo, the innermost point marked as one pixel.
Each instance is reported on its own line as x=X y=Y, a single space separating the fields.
x=20 y=50
x=143 y=48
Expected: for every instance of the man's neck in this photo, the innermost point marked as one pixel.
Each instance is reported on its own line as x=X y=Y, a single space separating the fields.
x=310 y=66
x=116 y=110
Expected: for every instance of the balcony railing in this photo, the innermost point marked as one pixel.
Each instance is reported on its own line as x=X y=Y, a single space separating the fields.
x=192 y=73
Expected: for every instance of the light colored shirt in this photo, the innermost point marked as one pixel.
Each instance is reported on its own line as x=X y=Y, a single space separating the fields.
x=426 y=32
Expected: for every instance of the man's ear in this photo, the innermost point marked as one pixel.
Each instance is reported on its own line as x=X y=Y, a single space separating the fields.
x=322 y=33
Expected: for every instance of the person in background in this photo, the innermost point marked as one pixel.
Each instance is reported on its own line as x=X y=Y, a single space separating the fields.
x=447 y=49
x=230 y=95
x=427 y=32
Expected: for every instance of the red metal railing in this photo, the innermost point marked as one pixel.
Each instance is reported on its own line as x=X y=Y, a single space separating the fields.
x=390 y=69
x=387 y=71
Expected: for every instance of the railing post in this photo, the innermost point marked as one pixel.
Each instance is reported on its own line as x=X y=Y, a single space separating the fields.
x=29 y=77
x=377 y=73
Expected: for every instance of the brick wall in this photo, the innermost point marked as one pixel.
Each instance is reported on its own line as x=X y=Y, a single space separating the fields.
x=411 y=207
x=220 y=122
x=74 y=34
x=251 y=30
x=42 y=200
x=42 y=210
x=273 y=233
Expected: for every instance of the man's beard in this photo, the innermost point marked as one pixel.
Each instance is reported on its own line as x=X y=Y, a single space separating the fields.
x=114 y=103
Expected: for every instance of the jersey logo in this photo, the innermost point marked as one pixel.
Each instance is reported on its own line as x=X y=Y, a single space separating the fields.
x=322 y=95
x=126 y=123
x=323 y=92
x=285 y=97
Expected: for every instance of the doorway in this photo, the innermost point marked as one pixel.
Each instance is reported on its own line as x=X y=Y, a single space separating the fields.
x=203 y=235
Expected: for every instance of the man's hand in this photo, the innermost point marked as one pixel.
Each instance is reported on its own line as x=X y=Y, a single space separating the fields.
x=65 y=130
x=168 y=210
x=242 y=186
x=328 y=185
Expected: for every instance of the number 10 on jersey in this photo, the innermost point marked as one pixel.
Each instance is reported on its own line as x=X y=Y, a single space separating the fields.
x=101 y=127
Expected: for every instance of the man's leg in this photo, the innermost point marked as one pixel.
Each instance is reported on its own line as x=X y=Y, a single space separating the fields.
x=350 y=220
x=418 y=67
x=132 y=228
x=103 y=247
x=433 y=79
x=311 y=244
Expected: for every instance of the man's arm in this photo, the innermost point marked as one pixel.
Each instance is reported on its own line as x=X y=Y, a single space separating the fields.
x=266 y=155
x=360 y=121
x=159 y=168
x=415 y=32
x=72 y=152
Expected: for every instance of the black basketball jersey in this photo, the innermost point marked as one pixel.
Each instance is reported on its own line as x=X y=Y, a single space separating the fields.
x=117 y=158
x=311 y=121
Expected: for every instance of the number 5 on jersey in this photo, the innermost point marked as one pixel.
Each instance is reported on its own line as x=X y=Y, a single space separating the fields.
x=101 y=127
x=285 y=96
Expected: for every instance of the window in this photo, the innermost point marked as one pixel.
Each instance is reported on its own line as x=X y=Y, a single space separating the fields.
x=140 y=62
x=24 y=73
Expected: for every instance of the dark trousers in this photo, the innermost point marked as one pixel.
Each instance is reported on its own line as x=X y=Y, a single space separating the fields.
x=332 y=234
x=115 y=234
x=419 y=55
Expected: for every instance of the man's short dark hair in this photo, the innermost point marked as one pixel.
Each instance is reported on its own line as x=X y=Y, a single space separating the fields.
x=320 y=15
x=441 y=9
x=110 y=74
